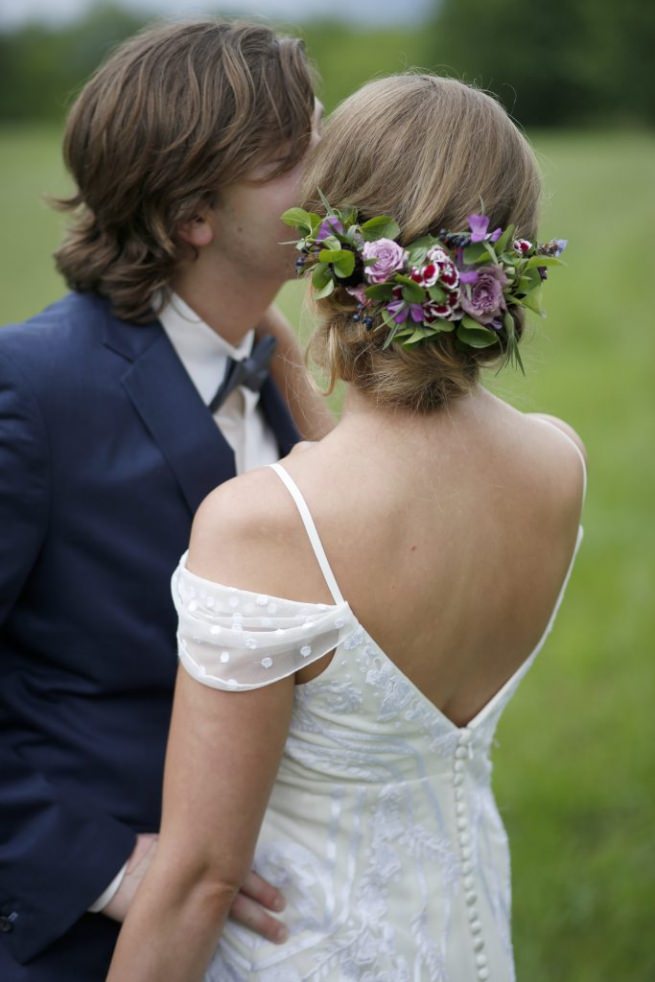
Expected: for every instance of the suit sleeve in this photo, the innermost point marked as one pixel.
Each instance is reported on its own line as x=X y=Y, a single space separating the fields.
x=56 y=855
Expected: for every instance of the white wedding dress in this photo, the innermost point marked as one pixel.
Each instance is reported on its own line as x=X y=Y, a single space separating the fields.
x=382 y=830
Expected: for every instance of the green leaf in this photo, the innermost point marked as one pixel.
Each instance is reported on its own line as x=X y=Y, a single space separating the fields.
x=475 y=335
x=342 y=260
x=474 y=254
x=506 y=239
x=321 y=275
x=380 y=227
x=379 y=291
x=535 y=261
x=420 y=334
x=413 y=293
x=325 y=291
x=532 y=301
x=419 y=250
x=436 y=293
x=332 y=255
x=299 y=218
x=391 y=336
x=345 y=265
x=489 y=249
x=326 y=204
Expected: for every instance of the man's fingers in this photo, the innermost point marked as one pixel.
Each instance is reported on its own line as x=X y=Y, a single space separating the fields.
x=263 y=892
x=249 y=913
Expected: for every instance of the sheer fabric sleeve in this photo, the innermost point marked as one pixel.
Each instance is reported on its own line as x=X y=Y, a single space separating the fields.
x=238 y=640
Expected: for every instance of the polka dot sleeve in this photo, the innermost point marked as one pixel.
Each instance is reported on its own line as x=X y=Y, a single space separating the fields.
x=238 y=640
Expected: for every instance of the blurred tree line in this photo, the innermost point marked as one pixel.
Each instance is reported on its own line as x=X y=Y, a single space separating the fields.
x=559 y=63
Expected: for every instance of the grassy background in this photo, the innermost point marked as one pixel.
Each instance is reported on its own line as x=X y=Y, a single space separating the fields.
x=574 y=761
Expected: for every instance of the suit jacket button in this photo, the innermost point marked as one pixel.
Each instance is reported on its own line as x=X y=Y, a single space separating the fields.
x=5 y=924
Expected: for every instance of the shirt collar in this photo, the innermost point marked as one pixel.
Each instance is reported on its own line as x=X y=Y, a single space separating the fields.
x=201 y=350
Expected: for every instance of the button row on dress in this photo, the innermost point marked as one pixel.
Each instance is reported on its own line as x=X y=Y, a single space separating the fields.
x=463 y=752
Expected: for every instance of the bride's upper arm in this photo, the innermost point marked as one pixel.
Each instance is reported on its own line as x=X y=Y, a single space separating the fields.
x=223 y=754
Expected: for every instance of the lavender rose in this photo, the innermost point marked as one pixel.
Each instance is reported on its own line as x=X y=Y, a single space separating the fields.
x=389 y=257
x=483 y=300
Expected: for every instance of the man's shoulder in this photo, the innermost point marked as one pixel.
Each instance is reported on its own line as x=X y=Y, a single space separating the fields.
x=65 y=321
x=68 y=336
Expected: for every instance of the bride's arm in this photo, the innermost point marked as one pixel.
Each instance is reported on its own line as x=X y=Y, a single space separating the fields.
x=223 y=754
x=308 y=407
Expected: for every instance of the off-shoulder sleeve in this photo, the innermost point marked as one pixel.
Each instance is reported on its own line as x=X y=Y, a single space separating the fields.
x=238 y=640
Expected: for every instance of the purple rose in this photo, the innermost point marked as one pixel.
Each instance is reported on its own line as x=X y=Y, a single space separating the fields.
x=483 y=300
x=328 y=227
x=389 y=257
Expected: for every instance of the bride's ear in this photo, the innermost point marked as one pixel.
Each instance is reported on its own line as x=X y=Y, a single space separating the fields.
x=197 y=232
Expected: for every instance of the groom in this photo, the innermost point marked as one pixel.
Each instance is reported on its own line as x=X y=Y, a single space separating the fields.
x=121 y=407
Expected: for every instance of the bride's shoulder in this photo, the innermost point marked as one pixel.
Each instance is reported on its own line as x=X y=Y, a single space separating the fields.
x=563 y=460
x=241 y=529
x=559 y=424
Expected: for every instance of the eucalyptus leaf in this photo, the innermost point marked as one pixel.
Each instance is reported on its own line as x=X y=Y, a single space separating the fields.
x=420 y=334
x=475 y=335
x=379 y=291
x=325 y=291
x=332 y=255
x=474 y=254
x=506 y=238
x=532 y=301
x=321 y=276
x=298 y=218
x=345 y=265
x=380 y=227
x=535 y=261
x=413 y=293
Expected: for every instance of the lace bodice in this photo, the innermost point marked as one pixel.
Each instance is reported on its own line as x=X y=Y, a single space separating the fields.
x=382 y=830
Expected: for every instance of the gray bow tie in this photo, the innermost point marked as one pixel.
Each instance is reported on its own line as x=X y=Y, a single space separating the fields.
x=251 y=371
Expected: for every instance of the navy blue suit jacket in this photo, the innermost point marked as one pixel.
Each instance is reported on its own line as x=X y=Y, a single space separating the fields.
x=106 y=451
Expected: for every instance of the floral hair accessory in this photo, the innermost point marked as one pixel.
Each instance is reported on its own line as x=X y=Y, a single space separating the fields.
x=464 y=283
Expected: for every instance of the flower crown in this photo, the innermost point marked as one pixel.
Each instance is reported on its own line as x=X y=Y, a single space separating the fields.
x=461 y=282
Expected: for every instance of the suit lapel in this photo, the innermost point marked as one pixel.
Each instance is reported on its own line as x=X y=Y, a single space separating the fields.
x=171 y=409
x=176 y=417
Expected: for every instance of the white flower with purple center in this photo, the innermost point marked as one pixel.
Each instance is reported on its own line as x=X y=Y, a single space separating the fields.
x=522 y=246
x=389 y=258
x=425 y=275
x=448 y=309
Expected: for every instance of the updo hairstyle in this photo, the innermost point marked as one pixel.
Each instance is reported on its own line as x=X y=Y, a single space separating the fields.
x=428 y=151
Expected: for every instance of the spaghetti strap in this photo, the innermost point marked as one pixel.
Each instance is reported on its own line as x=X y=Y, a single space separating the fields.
x=573 y=444
x=311 y=530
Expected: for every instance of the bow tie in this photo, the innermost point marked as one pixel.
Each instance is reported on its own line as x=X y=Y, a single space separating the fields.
x=251 y=371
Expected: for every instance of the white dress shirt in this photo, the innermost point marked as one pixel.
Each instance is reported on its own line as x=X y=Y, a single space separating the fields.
x=204 y=354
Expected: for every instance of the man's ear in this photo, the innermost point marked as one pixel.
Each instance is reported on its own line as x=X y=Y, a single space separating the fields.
x=197 y=232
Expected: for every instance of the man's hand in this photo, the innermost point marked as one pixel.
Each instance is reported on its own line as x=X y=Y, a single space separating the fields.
x=137 y=865
x=308 y=407
x=249 y=907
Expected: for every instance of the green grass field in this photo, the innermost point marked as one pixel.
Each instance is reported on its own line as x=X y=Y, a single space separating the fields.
x=575 y=775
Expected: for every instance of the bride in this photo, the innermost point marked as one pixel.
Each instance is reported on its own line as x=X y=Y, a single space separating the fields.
x=354 y=619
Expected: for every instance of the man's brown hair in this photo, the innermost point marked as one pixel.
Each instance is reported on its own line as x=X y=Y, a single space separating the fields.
x=175 y=114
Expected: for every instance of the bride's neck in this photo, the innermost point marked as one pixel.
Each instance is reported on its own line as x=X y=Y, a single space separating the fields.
x=362 y=413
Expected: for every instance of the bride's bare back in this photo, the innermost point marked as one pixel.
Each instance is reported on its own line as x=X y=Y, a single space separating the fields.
x=449 y=534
